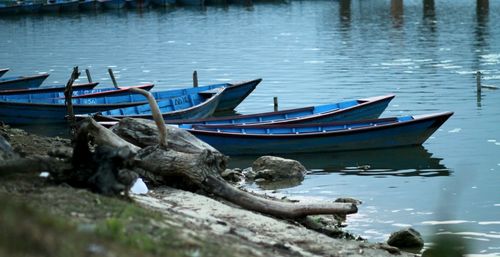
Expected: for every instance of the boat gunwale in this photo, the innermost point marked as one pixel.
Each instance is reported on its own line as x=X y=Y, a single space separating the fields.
x=439 y=118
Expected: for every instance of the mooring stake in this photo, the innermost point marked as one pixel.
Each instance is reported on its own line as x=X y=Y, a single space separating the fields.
x=275 y=100
x=110 y=71
x=89 y=78
x=195 y=79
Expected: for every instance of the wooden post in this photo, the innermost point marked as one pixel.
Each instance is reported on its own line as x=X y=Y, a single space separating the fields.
x=275 y=100
x=110 y=71
x=478 y=81
x=89 y=78
x=195 y=79
x=68 y=95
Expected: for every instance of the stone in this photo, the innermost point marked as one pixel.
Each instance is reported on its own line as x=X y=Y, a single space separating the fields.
x=274 y=168
x=6 y=151
x=406 y=238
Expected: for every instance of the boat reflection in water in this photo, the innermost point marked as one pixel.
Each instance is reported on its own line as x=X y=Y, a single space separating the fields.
x=400 y=161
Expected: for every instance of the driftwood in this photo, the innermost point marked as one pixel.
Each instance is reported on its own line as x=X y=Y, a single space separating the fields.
x=188 y=157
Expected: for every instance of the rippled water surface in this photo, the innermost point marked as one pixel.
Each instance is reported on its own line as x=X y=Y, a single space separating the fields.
x=314 y=52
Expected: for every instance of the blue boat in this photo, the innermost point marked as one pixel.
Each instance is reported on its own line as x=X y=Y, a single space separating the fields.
x=89 y=5
x=22 y=82
x=234 y=94
x=327 y=137
x=191 y=2
x=50 y=89
x=77 y=92
x=138 y=4
x=30 y=7
x=9 y=8
x=26 y=111
x=3 y=71
x=163 y=3
x=190 y=106
x=365 y=108
x=113 y=4
x=53 y=6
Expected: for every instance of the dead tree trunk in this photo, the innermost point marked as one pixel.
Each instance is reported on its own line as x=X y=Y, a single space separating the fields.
x=201 y=164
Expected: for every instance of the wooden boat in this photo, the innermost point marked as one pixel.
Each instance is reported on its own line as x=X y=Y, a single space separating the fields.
x=190 y=106
x=365 y=108
x=30 y=7
x=235 y=93
x=89 y=5
x=50 y=89
x=3 y=71
x=81 y=93
x=16 y=111
x=9 y=8
x=163 y=3
x=22 y=82
x=138 y=4
x=190 y=2
x=337 y=136
x=113 y=4
x=52 y=6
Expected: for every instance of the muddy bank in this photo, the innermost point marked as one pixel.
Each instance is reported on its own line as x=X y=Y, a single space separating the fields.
x=165 y=222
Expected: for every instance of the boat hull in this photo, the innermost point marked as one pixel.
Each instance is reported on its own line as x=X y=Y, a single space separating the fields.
x=405 y=133
x=3 y=71
x=22 y=82
x=367 y=108
x=191 y=2
x=89 y=5
x=113 y=4
x=163 y=3
x=138 y=4
x=235 y=94
x=44 y=90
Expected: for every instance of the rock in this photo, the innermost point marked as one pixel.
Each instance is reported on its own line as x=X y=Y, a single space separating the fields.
x=6 y=151
x=274 y=168
x=406 y=238
x=232 y=175
x=348 y=200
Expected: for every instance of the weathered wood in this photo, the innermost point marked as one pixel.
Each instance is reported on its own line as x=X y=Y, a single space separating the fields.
x=155 y=111
x=89 y=78
x=202 y=165
x=115 y=84
x=68 y=95
x=195 y=79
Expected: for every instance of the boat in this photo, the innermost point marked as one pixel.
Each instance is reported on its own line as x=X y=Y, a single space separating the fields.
x=9 y=8
x=326 y=137
x=30 y=7
x=190 y=2
x=235 y=93
x=50 y=89
x=26 y=111
x=3 y=71
x=22 y=82
x=138 y=4
x=80 y=93
x=163 y=3
x=364 y=108
x=89 y=5
x=52 y=6
x=113 y=4
x=190 y=106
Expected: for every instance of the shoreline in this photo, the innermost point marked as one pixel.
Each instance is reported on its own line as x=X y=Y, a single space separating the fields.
x=204 y=224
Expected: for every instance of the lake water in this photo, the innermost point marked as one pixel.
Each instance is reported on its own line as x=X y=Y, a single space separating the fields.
x=315 y=52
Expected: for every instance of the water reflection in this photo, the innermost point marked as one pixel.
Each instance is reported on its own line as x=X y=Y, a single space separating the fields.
x=397 y=13
x=404 y=161
x=481 y=35
x=429 y=15
x=345 y=14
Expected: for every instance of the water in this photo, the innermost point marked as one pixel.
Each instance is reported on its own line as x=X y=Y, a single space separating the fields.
x=314 y=52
